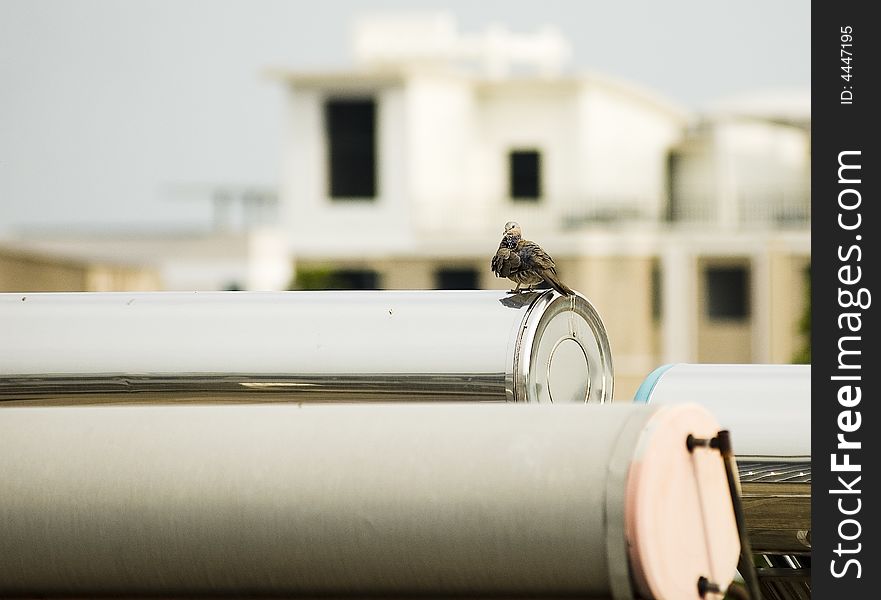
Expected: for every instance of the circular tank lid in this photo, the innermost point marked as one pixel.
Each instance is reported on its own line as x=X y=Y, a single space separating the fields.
x=562 y=354
x=679 y=519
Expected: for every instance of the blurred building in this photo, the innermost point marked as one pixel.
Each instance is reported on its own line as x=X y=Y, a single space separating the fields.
x=23 y=271
x=689 y=233
x=224 y=258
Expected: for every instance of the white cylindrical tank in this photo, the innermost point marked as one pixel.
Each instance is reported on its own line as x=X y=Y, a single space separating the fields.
x=371 y=500
x=767 y=408
x=303 y=346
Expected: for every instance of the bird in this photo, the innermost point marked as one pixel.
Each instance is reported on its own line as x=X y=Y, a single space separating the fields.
x=525 y=263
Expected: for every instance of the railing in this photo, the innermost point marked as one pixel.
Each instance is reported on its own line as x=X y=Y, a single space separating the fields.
x=750 y=209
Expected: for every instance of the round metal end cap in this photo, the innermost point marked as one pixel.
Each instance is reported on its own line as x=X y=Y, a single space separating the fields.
x=563 y=353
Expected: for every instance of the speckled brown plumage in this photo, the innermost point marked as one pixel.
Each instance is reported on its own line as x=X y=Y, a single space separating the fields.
x=525 y=263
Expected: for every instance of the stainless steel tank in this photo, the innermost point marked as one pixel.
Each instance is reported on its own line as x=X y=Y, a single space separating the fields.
x=367 y=500
x=302 y=346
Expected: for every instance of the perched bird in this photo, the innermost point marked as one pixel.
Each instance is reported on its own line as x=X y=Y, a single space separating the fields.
x=525 y=263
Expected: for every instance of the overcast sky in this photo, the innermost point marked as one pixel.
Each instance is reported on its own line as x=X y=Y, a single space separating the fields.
x=108 y=105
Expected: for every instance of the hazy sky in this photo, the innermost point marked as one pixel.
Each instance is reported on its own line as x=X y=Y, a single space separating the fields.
x=106 y=105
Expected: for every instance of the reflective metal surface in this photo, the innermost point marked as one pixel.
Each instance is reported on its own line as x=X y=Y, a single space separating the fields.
x=301 y=346
x=785 y=577
x=225 y=388
x=777 y=504
x=344 y=499
x=774 y=472
x=563 y=353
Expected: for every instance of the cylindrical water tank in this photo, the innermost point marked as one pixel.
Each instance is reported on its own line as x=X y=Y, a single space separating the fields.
x=370 y=500
x=303 y=346
x=767 y=408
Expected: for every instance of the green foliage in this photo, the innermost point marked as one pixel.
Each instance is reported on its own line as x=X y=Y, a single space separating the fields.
x=803 y=356
x=313 y=279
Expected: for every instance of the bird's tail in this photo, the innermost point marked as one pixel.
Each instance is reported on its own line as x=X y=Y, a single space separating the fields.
x=552 y=280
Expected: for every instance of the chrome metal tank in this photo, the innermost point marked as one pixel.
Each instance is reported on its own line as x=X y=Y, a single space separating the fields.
x=302 y=346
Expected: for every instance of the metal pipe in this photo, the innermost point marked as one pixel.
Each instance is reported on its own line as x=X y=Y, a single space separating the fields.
x=302 y=346
x=352 y=499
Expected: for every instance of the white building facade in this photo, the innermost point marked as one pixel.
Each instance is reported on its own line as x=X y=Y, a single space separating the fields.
x=691 y=235
x=454 y=151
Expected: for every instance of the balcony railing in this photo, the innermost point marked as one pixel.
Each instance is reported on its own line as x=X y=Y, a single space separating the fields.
x=749 y=210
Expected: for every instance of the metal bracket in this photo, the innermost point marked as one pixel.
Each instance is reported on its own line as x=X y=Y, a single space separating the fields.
x=746 y=566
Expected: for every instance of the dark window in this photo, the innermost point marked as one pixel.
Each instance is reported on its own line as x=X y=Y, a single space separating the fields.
x=333 y=279
x=457 y=279
x=525 y=174
x=727 y=293
x=351 y=147
x=353 y=279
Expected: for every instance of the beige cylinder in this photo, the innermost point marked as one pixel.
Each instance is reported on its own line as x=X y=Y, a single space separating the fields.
x=437 y=499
